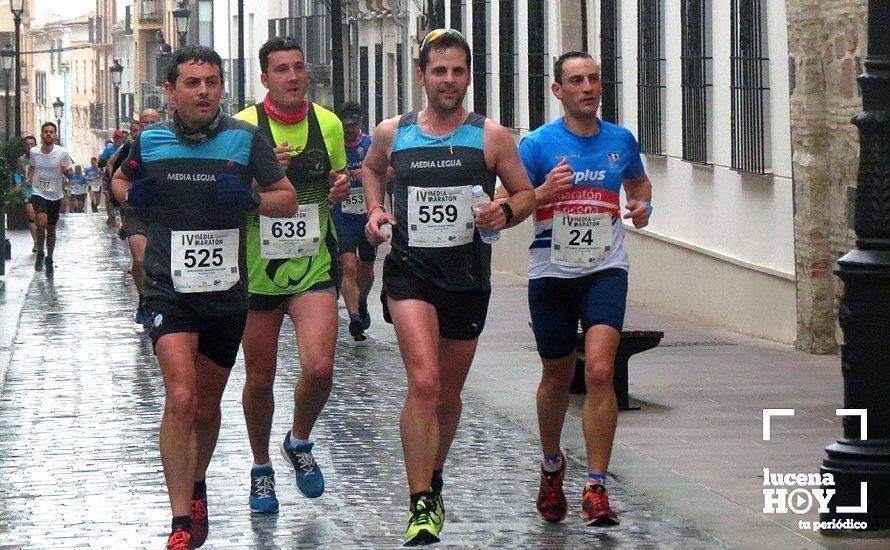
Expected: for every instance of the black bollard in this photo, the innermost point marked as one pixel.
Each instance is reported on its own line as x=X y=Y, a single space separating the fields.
x=859 y=458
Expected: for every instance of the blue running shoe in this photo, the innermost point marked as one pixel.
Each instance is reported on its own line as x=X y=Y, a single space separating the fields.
x=262 y=491
x=141 y=317
x=310 y=482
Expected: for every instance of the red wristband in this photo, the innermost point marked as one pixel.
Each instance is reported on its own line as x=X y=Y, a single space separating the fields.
x=375 y=207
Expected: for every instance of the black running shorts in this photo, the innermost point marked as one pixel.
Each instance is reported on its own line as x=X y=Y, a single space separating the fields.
x=461 y=314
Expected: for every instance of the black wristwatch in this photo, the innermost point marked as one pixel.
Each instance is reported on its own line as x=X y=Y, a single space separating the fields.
x=508 y=211
x=255 y=201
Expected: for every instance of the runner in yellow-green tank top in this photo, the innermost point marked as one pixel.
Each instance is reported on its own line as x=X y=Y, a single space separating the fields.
x=290 y=257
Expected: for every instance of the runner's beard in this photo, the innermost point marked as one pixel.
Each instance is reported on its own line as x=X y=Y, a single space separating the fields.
x=443 y=108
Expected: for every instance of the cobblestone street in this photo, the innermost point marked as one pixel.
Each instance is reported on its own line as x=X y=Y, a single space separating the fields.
x=79 y=462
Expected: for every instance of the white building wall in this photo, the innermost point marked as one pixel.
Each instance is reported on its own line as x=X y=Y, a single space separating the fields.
x=710 y=222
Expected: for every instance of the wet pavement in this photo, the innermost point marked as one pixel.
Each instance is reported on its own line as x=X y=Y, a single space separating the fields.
x=79 y=461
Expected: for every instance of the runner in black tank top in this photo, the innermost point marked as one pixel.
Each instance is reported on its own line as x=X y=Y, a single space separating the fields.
x=436 y=279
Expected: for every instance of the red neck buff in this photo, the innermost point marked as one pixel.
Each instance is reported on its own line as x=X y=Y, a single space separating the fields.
x=356 y=142
x=285 y=117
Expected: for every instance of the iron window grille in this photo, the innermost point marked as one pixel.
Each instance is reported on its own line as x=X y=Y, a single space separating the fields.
x=748 y=87
x=695 y=83
x=457 y=14
x=480 y=60
x=509 y=61
x=378 y=83
x=364 y=88
x=610 y=60
x=650 y=75
x=537 y=64
x=436 y=14
x=312 y=32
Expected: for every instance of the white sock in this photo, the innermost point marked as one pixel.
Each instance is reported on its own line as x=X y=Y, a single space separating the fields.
x=295 y=441
x=552 y=463
x=266 y=465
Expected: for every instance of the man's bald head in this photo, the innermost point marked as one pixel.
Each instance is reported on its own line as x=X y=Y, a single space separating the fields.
x=148 y=116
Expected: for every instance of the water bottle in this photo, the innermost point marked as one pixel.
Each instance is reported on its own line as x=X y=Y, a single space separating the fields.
x=480 y=203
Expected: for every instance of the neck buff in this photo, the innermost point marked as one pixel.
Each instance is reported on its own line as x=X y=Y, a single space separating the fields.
x=200 y=135
x=285 y=117
x=356 y=142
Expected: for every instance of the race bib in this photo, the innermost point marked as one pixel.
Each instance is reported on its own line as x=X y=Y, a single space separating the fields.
x=440 y=217
x=282 y=238
x=355 y=202
x=44 y=183
x=581 y=240
x=95 y=188
x=204 y=261
x=77 y=189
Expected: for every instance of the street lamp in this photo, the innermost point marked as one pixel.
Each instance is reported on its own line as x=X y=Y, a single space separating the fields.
x=7 y=61
x=181 y=17
x=116 y=70
x=59 y=109
x=17 y=7
x=860 y=461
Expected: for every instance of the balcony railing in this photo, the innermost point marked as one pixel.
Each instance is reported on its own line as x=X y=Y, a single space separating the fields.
x=97 y=116
x=151 y=10
x=153 y=97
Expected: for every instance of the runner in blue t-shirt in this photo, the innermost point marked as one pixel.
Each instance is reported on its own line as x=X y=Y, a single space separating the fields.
x=578 y=271
x=94 y=181
x=350 y=218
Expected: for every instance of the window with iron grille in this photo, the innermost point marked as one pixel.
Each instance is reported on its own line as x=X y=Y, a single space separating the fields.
x=748 y=86
x=205 y=23
x=610 y=60
x=127 y=106
x=400 y=85
x=363 y=87
x=128 y=20
x=40 y=85
x=480 y=51
x=650 y=71
x=436 y=14
x=696 y=79
x=537 y=63
x=378 y=80
x=509 y=61
x=457 y=14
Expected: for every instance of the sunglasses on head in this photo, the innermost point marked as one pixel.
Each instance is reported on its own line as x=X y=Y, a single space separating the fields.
x=437 y=34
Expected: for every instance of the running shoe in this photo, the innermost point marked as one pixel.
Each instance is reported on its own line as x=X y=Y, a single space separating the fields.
x=38 y=262
x=595 y=508
x=310 y=481
x=424 y=522
x=436 y=490
x=356 y=330
x=200 y=521
x=364 y=316
x=551 y=502
x=179 y=540
x=141 y=316
x=50 y=269
x=262 y=490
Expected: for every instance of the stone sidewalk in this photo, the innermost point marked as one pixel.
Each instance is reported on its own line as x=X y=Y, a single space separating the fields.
x=79 y=463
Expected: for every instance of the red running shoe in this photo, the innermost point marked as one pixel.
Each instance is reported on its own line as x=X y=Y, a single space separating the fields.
x=551 y=502
x=179 y=540
x=595 y=508
x=200 y=522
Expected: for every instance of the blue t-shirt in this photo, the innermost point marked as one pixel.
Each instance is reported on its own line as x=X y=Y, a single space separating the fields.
x=601 y=163
x=107 y=152
x=355 y=156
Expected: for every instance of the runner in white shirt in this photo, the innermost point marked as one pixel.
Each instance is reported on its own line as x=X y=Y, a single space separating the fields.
x=50 y=163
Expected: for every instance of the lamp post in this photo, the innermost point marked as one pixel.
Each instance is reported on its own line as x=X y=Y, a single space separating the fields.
x=117 y=71
x=860 y=461
x=181 y=17
x=7 y=60
x=17 y=7
x=59 y=110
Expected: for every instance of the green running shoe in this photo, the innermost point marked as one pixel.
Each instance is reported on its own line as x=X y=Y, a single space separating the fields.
x=424 y=522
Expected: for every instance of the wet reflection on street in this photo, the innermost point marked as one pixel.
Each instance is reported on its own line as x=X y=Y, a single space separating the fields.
x=81 y=407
